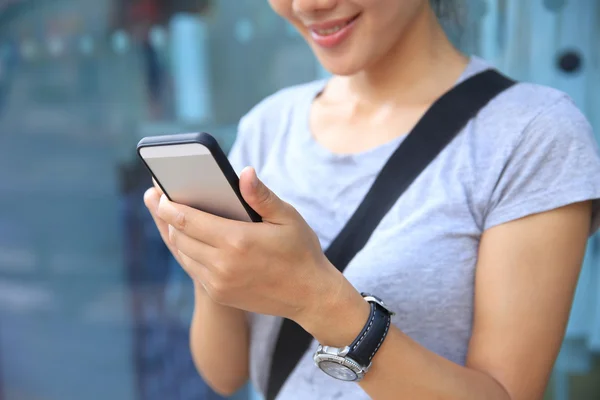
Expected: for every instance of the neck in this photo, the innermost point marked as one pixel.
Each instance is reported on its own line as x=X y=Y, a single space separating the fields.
x=419 y=68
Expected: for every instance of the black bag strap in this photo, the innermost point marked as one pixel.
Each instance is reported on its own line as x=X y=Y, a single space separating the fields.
x=438 y=127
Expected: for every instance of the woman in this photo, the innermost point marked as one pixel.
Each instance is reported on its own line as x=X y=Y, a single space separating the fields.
x=479 y=258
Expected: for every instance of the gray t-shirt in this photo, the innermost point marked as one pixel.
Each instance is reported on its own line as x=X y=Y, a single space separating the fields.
x=529 y=150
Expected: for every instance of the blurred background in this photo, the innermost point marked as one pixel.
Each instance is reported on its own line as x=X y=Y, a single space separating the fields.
x=91 y=304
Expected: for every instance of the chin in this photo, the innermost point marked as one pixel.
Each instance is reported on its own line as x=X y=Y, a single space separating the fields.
x=341 y=66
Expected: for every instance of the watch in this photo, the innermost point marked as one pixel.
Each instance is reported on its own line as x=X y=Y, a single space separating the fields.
x=352 y=362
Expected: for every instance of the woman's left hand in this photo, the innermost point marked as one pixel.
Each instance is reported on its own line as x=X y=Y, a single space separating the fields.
x=276 y=267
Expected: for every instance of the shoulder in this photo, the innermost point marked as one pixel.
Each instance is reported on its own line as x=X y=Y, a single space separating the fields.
x=537 y=152
x=529 y=114
x=523 y=107
x=526 y=102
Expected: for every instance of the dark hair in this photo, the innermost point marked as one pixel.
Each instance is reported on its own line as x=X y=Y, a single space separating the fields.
x=453 y=17
x=443 y=8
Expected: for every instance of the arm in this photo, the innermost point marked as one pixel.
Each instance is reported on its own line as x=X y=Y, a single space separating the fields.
x=218 y=334
x=219 y=344
x=526 y=277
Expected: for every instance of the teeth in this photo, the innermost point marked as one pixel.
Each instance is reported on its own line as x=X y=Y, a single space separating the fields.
x=330 y=31
x=327 y=32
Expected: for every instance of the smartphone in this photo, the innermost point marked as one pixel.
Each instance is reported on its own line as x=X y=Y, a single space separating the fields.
x=192 y=169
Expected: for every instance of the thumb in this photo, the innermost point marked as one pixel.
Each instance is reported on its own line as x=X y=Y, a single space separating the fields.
x=258 y=196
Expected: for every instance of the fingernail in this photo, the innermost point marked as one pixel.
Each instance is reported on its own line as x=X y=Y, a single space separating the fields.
x=163 y=205
x=254 y=179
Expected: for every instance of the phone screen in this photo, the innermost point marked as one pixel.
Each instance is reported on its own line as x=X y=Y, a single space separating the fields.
x=189 y=175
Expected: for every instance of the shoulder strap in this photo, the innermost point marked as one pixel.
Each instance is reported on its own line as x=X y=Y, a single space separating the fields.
x=438 y=127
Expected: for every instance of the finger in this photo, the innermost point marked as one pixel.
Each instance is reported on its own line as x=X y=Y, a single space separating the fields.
x=202 y=275
x=202 y=226
x=266 y=203
x=151 y=199
x=163 y=229
x=194 y=269
x=192 y=248
x=157 y=187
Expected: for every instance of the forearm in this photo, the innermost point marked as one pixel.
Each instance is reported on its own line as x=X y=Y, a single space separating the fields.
x=401 y=369
x=219 y=344
x=404 y=369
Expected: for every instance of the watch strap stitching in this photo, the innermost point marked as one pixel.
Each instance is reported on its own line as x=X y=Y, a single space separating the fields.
x=387 y=327
x=370 y=324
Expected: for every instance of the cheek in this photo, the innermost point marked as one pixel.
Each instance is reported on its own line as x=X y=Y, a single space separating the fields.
x=386 y=20
x=392 y=14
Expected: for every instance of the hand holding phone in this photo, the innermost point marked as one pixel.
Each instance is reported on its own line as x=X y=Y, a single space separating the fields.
x=275 y=268
x=192 y=169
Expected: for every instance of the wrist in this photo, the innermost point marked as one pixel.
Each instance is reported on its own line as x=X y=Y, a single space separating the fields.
x=337 y=313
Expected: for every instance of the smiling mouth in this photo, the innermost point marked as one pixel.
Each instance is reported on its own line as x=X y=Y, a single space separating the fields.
x=334 y=29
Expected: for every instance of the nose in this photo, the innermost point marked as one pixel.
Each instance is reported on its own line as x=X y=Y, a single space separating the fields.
x=311 y=7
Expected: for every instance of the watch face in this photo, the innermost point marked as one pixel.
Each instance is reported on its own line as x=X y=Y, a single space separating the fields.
x=338 y=371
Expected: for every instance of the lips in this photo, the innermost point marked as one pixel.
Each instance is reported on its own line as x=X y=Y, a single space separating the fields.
x=332 y=33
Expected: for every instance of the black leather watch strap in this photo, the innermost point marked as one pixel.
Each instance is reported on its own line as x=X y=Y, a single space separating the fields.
x=368 y=342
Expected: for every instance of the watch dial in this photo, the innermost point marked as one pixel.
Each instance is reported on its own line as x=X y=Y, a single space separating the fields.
x=338 y=371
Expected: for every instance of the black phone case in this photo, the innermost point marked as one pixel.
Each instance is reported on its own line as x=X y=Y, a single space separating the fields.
x=212 y=145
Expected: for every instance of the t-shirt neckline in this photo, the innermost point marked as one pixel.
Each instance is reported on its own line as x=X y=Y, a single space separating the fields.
x=474 y=66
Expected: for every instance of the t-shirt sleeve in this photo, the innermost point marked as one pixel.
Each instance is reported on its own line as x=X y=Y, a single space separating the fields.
x=556 y=162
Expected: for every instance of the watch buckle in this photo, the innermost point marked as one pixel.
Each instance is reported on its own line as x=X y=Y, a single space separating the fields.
x=336 y=351
x=378 y=301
